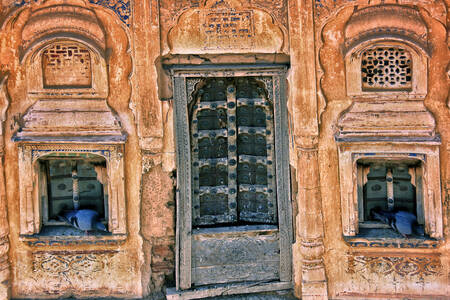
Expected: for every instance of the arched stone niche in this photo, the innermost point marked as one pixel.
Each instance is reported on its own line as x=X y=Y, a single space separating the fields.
x=62 y=66
x=390 y=28
x=63 y=51
x=226 y=26
x=404 y=69
x=60 y=36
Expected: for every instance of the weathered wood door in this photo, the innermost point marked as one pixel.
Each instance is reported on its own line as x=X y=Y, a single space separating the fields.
x=233 y=208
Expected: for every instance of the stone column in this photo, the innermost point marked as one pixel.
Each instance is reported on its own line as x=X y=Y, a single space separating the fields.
x=304 y=111
x=4 y=226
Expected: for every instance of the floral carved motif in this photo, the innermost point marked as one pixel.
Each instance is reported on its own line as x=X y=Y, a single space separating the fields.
x=397 y=265
x=69 y=266
x=120 y=7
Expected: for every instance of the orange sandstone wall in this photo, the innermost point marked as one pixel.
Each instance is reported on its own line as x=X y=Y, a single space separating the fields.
x=309 y=35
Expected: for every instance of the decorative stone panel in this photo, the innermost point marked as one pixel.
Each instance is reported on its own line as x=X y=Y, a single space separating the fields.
x=226 y=26
x=397 y=265
x=71 y=265
x=66 y=68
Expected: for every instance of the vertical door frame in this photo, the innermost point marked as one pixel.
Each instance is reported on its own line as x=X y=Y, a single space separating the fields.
x=274 y=77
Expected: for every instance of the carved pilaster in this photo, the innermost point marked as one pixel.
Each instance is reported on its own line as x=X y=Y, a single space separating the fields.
x=4 y=228
x=314 y=283
x=146 y=41
x=304 y=110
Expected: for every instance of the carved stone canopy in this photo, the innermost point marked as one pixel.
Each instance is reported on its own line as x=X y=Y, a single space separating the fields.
x=70 y=120
x=62 y=21
x=406 y=120
x=387 y=22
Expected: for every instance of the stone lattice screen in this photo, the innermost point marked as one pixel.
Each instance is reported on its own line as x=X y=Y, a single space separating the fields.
x=67 y=65
x=386 y=68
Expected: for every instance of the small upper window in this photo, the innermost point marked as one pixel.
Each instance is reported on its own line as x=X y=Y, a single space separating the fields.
x=386 y=68
x=67 y=65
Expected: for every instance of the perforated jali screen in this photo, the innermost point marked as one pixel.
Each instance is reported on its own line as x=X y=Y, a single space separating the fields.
x=66 y=64
x=386 y=68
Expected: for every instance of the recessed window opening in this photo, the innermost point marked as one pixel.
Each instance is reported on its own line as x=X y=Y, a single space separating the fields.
x=233 y=164
x=72 y=182
x=388 y=187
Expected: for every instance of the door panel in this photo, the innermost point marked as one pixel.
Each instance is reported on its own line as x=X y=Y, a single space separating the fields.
x=230 y=255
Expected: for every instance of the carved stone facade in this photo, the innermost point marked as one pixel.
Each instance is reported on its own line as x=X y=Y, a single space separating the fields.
x=103 y=107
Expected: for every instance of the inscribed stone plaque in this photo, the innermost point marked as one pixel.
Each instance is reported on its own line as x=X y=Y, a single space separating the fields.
x=227 y=29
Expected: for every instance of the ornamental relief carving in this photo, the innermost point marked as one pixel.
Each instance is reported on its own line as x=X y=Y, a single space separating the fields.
x=403 y=266
x=70 y=267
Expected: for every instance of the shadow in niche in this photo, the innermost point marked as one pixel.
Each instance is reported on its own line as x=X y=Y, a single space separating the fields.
x=388 y=233
x=62 y=230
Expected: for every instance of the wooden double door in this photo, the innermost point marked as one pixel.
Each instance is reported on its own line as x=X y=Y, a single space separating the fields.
x=233 y=207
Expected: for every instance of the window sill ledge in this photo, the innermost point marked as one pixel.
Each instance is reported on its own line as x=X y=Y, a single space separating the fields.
x=392 y=242
x=55 y=237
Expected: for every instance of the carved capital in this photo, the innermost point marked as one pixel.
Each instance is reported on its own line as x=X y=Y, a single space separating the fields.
x=306 y=143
